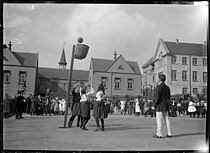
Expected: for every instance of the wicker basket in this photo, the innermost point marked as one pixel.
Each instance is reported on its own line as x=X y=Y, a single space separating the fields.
x=81 y=51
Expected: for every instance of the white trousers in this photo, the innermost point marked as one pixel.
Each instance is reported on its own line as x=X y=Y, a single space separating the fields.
x=159 y=116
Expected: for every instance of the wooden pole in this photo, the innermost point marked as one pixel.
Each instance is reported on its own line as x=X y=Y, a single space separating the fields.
x=69 y=86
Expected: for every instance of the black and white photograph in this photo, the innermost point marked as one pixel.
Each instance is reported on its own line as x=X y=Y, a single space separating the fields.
x=105 y=77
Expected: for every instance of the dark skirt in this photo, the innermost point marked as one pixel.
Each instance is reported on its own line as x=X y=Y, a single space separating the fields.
x=76 y=108
x=32 y=109
x=85 y=109
x=99 y=110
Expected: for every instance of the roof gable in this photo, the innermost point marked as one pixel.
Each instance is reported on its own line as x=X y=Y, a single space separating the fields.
x=120 y=65
x=101 y=65
x=160 y=50
x=11 y=58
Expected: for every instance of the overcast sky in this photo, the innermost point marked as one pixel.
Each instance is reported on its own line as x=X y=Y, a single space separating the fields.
x=131 y=30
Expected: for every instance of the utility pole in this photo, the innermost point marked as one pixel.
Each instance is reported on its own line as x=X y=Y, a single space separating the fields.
x=69 y=85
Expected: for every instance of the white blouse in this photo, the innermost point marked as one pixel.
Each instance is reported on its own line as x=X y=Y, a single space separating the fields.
x=99 y=95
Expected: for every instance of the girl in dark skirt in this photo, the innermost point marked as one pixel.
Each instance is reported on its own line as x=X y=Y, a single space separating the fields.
x=99 y=109
x=85 y=105
x=75 y=106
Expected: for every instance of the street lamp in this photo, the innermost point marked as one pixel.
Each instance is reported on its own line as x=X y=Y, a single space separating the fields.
x=78 y=52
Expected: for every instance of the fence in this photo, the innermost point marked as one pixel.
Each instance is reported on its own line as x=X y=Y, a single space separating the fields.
x=8 y=105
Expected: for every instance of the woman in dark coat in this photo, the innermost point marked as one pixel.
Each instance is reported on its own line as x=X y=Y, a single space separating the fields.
x=99 y=109
x=33 y=108
x=75 y=106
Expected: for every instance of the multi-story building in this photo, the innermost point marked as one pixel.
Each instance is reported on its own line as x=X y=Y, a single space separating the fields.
x=56 y=79
x=120 y=77
x=19 y=72
x=184 y=64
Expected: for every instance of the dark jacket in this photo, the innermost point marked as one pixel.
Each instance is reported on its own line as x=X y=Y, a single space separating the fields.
x=19 y=103
x=76 y=105
x=162 y=98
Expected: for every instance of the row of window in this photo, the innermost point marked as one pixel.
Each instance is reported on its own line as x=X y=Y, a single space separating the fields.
x=7 y=76
x=195 y=91
x=194 y=61
x=184 y=76
x=117 y=83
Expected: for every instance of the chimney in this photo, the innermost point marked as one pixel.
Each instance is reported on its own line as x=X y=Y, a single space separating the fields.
x=10 y=46
x=177 y=41
x=115 y=55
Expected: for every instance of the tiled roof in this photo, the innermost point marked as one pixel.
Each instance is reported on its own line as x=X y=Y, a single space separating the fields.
x=183 y=49
x=187 y=48
x=63 y=58
x=27 y=59
x=101 y=65
x=62 y=74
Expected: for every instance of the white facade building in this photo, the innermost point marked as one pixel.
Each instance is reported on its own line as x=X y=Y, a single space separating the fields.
x=184 y=64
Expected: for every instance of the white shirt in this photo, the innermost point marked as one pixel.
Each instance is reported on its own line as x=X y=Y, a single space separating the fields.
x=99 y=95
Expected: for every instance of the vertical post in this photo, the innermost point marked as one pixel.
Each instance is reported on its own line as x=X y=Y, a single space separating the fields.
x=190 y=73
x=69 y=86
x=111 y=87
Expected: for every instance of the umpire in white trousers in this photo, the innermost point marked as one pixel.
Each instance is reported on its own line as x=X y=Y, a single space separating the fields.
x=161 y=105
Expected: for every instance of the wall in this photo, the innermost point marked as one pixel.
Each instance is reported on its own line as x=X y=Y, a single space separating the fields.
x=12 y=88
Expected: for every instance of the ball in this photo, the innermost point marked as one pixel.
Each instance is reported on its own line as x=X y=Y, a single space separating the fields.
x=80 y=40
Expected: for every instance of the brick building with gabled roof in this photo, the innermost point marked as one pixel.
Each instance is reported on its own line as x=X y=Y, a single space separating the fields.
x=184 y=64
x=120 y=77
x=19 y=69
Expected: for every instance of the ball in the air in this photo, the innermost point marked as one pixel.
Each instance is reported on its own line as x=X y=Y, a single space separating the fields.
x=80 y=40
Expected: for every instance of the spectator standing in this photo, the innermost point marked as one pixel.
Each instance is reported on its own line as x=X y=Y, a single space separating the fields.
x=142 y=101
x=33 y=108
x=19 y=105
x=28 y=104
x=179 y=107
x=182 y=107
x=198 y=108
x=173 y=108
x=111 y=107
x=122 y=106
x=130 y=105
x=137 y=108
x=153 y=113
x=146 y=108
x=191 y=108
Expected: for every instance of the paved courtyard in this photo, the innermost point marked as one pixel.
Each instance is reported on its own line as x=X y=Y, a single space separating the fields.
x=122 y=133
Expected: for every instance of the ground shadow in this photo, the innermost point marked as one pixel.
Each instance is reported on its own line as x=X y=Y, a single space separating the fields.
x=188 y=134
x=117 y=127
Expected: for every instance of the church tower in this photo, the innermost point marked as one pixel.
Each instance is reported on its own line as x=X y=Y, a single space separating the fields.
x=62 y=63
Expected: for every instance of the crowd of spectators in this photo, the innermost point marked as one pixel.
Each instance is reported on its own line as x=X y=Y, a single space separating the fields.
x=48 y=105
x=143 y=106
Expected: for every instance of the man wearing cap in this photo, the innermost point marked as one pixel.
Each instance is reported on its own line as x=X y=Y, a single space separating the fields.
x=19 y=104
x=161 y=105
